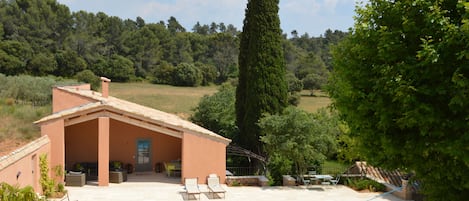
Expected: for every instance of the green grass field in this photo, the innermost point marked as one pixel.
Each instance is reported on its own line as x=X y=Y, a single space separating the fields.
x=176 y=100
x=16 y=124
x=181 y=100
x=334 y=167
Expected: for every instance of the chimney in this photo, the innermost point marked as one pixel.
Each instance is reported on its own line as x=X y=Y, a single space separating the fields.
x=105 y=86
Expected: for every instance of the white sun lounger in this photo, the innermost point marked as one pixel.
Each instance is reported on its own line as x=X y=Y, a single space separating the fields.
x=192 y=187
x=214 y=186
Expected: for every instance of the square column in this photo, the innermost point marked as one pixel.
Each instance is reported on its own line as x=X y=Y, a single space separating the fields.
x=103 y=151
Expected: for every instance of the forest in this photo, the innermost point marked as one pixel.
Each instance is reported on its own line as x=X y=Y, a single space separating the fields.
x=43 y=37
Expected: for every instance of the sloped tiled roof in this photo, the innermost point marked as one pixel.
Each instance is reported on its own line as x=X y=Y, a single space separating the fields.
x=393 y=177
x=156 y=116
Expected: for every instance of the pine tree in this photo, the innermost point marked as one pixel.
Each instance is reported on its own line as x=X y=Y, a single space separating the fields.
x=262 y=87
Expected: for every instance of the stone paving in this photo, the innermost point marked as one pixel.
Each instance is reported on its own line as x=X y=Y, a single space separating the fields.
x=151 y=188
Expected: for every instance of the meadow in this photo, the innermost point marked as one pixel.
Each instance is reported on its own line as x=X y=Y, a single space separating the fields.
x=181 y=100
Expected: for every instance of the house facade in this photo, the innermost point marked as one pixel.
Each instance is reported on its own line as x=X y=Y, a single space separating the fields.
x=91 y=127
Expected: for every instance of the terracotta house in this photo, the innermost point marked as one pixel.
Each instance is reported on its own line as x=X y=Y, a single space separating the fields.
x=88 y=126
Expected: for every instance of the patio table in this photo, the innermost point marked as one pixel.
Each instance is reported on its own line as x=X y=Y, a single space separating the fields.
x=323 y=176
x=316 y=177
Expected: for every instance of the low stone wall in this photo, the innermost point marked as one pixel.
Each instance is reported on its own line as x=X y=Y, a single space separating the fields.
x=247 y=181
x=288 y=180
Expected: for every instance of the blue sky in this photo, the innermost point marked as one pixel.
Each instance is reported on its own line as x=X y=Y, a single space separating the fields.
x=305 y=16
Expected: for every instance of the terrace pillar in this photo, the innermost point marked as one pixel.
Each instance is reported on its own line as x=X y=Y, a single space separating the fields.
x=103 y=151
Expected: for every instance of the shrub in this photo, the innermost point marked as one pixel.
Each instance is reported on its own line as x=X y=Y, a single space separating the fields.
x=120 y=69
x=163 y=73
x=362 y=184
x=187 y=75
x=87 y=76
x=47 y=183
x=209 y=73
x=278 y=166
x=29 y=89
x=14 y=193
x=49 y=187
x=217 y=112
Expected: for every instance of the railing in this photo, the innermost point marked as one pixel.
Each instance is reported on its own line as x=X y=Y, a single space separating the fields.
x=246 y=171
x=243 y=171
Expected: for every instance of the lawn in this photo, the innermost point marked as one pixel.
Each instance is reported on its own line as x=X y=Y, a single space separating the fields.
x=333 y=167
x=176 y=100
x=16 y=124
x=312 y=103
x=181 y=100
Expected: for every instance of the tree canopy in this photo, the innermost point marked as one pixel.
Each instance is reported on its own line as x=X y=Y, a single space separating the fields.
x=296 y=140
x=42 y=37
x=217 y=112
x=401 y=82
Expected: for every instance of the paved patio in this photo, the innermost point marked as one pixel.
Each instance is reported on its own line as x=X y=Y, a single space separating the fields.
x=150 y=186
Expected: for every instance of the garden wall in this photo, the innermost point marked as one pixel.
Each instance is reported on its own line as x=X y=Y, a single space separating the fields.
x=247 y=181
x=21 y=167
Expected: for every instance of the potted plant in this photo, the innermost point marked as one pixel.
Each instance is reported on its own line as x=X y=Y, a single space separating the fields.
x=117 y=166
x=79 y=168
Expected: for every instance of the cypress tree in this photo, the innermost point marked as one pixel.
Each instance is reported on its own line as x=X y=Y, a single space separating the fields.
x=262 y=87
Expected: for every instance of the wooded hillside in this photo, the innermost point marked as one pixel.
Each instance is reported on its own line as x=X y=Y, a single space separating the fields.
x=42 y=37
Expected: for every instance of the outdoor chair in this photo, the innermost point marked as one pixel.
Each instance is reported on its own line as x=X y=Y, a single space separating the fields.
x=336 y=180
x=172 y=169
x=192 y=187
x=303 y=180
x=169 y=168
x=214 y=186
x=312 y=178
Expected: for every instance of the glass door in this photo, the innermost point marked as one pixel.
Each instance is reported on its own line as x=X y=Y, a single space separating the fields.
x=143 y=156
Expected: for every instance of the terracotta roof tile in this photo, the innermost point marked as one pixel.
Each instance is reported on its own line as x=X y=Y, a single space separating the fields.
x=378 y=174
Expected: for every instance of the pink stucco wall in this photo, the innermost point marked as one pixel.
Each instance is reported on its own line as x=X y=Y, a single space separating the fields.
x=81 y=142
x=201 y=157
x=62 y=100
x=55 y=131
x=25 y=162
x=123 y=148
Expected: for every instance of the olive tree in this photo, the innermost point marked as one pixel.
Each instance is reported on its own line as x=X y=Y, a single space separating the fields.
x=296 y=140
